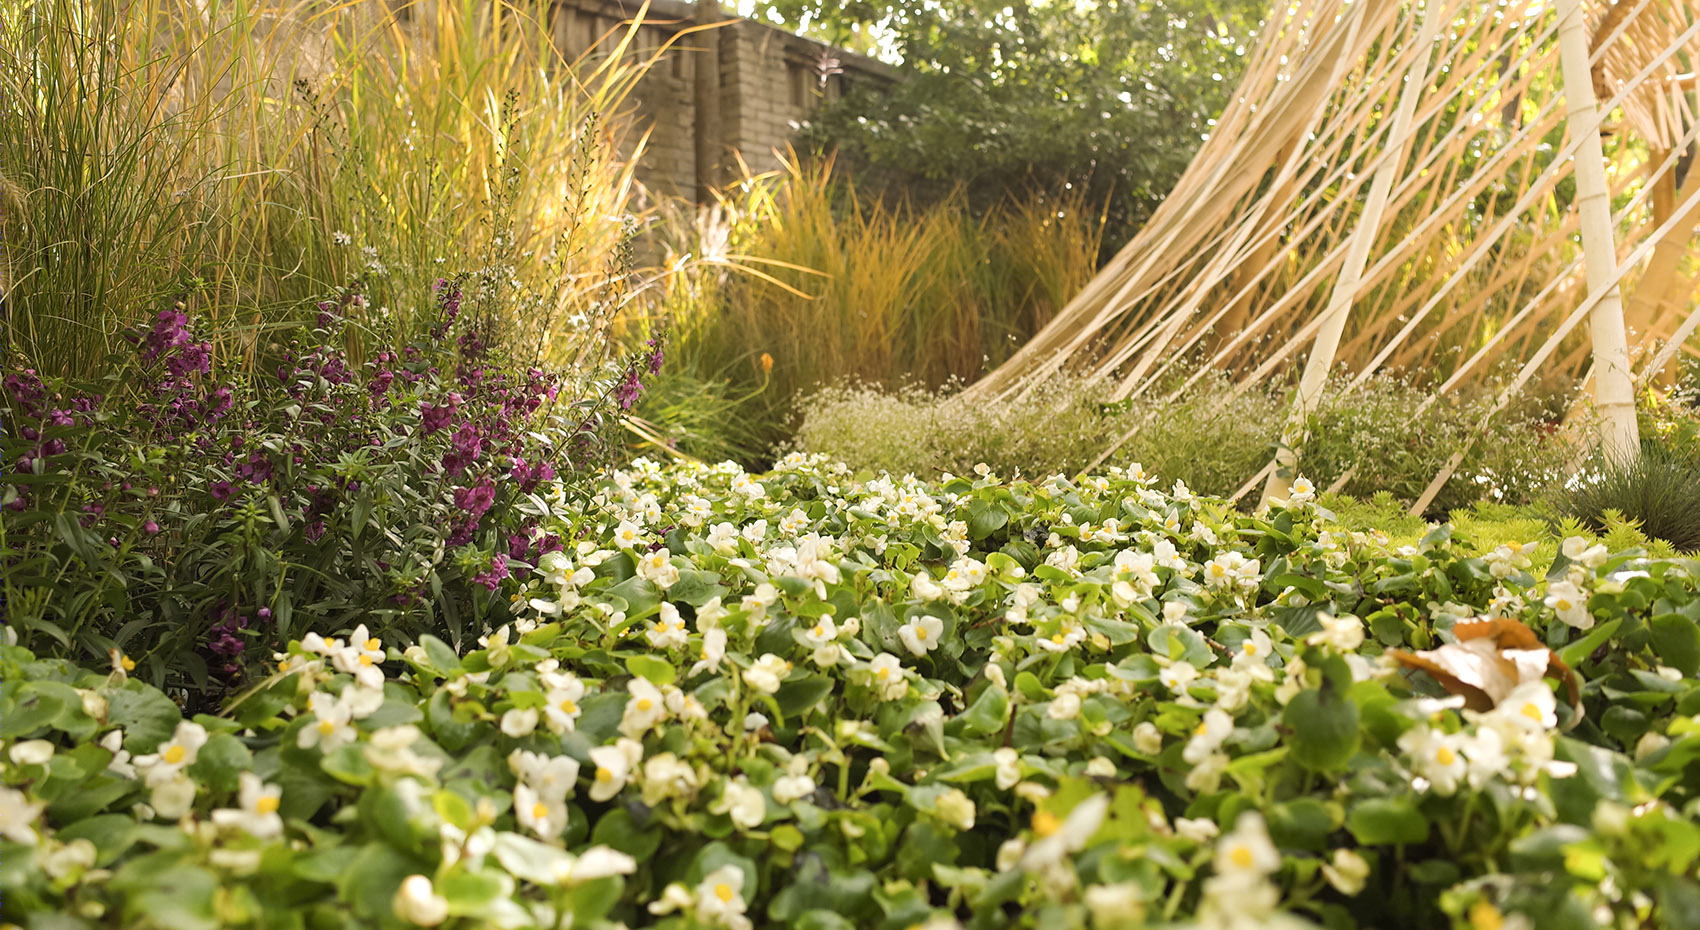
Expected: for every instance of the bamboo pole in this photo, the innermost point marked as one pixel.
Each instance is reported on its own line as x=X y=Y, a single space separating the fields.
x=1614 y=392
x=1350 y=279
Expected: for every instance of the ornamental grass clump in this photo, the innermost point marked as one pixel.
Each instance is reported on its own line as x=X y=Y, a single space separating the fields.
x=195 y=519
x=804 y=699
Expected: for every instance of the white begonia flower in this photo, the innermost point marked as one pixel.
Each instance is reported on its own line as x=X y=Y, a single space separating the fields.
x=742 y=802
x=1057 y=838
x=330 y=728
x=667 y=776
x=1246 y=854
x=767 y=673
x=1435 y=756
x=390 y=750
x=1147 y=738
x=360 y=658
x=1211 y=733
x=720 y=900
x=543 y=815
x=1206 y=774
x=1008 y=762
x=592 y=864
x=1100 y=767
x=823 y=632
x=256 y=810
x=1570 y=603
x=1177 y=676
x=889 y=679
x=361 y=701
x=644 y=709
x=1064 y=706
x=657 y=567
x=788 y=788
x=561 y=705
x=668 y=631
x=1176 y=612
x=923 y=587
x=723 y=538
x=518 y=722
x=613 y=766
x=1010 y=852
x=175 y=754
x=1118 y=905
x=1485 y=757
x=19 y=816
x=171 y=795
x=318 y=645
x=113 y=742
x=1198 y=830
x=417 y=903
x=1302 y=491
x=31 y=752
x=921 y=635
x=755 y=532
x=1347 y=872
x=713 y=650
x=68 y=861
x=1577 y=550
x=1344 y=633
x=550 y=776
x=628 y=535
x=955 y=808
x=1530 y=706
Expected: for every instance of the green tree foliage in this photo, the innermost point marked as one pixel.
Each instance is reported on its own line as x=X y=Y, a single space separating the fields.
x=1109 y=96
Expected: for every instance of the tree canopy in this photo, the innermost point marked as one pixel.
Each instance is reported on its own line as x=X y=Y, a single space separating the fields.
x=1112 y=96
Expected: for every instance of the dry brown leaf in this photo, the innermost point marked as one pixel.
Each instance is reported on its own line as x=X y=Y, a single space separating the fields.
x=1490 y=659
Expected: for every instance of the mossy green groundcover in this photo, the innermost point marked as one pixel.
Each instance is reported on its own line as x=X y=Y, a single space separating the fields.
x=803 y=699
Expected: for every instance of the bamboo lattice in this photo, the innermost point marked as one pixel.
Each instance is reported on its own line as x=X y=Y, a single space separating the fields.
x=1440 y=221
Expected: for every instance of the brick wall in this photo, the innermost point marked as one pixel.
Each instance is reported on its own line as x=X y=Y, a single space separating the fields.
x=769 y=81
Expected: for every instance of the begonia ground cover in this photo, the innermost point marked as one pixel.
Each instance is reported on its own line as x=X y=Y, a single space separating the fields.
x=808 y=698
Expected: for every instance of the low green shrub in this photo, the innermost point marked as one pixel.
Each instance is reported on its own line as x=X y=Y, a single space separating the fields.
x=803 y=700
x=197 y=520
x=1211 y=444
x=1659 y=492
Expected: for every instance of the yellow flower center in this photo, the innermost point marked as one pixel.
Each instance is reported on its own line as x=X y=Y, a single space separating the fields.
x=603 y=775
x=1241 y=856
x=1203 y=728
x=175 y=755
x=128 y=663
x=568 y=706
x=365 y=659
x=334 y=643
x=1532 y=711
x=267 y=804
x=723 y=891
x=820 y=631
x=1251 y=649
x=1445 y=756
x=373 y=644
x=1058 y=638
x=883 y=674
x=539 y=811
x=920 y=632
x=1484 y=916
x=645 y=704
x=326 y=727
x=1563 y=603
x=283 y=666
x=1046 y=823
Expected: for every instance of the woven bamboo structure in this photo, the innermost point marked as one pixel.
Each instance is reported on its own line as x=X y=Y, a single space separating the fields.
x=1396 y=187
